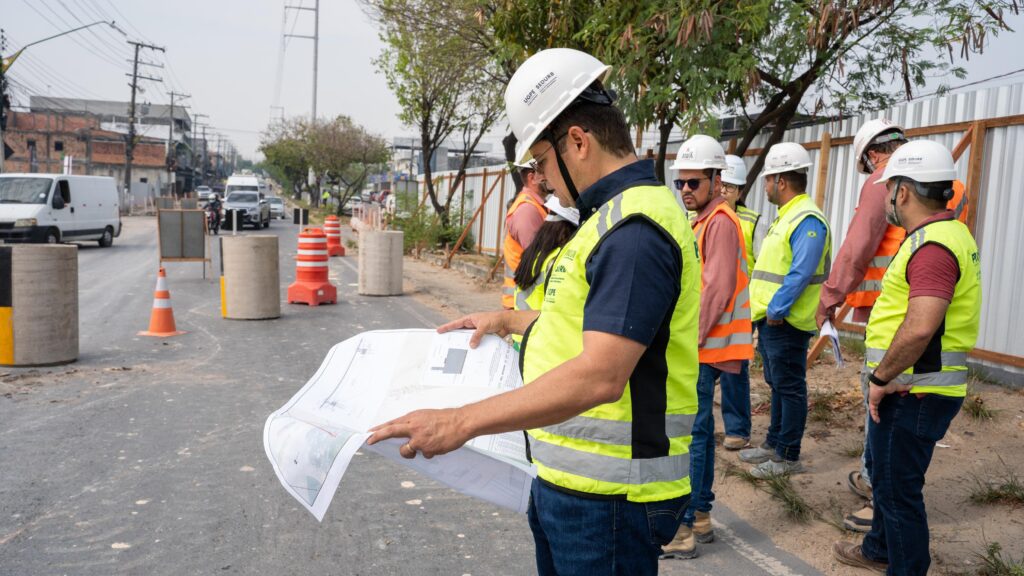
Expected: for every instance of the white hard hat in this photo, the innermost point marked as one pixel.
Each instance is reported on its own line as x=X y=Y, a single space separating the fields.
x=700 y=152
x=525 y=164
x=786 y=157
x=544 y=86
x=923 y=161
x=736 y=173
x=558 y=212
x=876 y=131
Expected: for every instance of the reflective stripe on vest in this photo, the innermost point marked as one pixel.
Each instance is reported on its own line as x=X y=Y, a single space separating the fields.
x=941 y=372
x=776 y=259
x=867 y=291
x=730 y=338
x=638 y=445
x=512 y=250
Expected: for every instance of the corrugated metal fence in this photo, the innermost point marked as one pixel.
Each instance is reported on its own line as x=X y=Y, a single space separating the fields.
x=992 y=166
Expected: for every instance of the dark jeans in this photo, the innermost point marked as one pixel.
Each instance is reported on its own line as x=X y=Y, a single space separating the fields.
x=590 y=537
x=736 y=402
x=901 y=447
x=783 y=352
x=702 y=446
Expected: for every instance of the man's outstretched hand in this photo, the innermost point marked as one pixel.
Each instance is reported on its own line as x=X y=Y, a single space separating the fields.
x=430 y=432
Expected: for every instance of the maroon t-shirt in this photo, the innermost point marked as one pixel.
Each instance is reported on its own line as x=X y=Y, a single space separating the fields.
x=932 y=269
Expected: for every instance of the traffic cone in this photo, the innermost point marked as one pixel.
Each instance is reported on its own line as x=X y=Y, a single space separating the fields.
x=161 y=321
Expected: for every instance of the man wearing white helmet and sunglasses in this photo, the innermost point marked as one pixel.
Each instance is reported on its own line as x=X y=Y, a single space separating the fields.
x=610 y=361
x=724 y=339
x=921 y=328
x=784 y=289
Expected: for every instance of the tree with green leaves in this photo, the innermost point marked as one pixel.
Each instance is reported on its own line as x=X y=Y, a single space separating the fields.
x=283 y=149
x=445 y=85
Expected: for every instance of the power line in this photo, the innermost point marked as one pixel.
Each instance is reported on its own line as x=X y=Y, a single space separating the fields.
x=103 y=51
x=38 y=66
x=77 y=40
x=975 y=83
x=115 y=49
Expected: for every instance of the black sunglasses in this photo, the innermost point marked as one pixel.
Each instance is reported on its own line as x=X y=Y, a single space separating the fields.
x=691 y=183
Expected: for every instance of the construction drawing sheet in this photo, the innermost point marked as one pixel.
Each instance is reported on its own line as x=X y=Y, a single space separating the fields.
x=381 y=375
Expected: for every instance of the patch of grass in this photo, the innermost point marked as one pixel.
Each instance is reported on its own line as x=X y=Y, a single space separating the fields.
x=821 y=407
x=781 y=489
x=994 y=564
x=351 y=243
x=975 y=407
x=855 y=451
x=1007 y=489
x=852 y=344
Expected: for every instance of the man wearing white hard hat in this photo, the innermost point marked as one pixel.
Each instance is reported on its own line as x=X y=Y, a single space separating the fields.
x=784 y=289
x=856 y=276
x=724 y=339
x=921 y=328
x=522 y=221
x=736 y=387
x=610 y=361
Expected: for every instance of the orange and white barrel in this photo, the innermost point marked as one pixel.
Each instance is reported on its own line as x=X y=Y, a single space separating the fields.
x=332 y=228
x=312 y=285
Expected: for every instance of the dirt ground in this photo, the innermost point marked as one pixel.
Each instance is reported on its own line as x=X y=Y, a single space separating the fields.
x=973 y=451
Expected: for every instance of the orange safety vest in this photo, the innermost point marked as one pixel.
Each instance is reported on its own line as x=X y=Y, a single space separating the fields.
x=871 y=286
x=731 y=337
x=513 y=250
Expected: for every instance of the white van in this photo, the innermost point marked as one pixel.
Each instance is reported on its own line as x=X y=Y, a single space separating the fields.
x=58 y=208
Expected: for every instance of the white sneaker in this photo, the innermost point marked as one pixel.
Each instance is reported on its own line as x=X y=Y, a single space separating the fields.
x=757 y=455
x=776 y=468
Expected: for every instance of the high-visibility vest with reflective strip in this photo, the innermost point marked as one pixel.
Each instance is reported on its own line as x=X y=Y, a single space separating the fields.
x=531 y=298
x=638 y=445
x=867 y=292
x=940 y=370
x=776 y=258
x=748 y=222
x=513 y=251
x=731 y=337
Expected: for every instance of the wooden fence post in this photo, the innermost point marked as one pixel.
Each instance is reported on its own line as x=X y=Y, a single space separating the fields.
x=822 y=184
x=974 y=169
x=465 y=231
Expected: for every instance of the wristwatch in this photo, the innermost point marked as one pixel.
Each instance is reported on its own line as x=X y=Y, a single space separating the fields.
x=876 y=380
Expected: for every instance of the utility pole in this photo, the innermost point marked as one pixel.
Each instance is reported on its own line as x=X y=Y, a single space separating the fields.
x=195 y=129
x=129 y=147
x=172 y=148
x=315 y=9
x=203 y=165
x=3 y=100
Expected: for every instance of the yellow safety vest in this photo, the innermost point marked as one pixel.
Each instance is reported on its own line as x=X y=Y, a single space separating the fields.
x=776 y=258
x=638 y=445
x=748 y=222
x=531 y=298
x=942 y=370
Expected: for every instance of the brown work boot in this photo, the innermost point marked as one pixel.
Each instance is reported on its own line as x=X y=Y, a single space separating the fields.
x=850 y=554
x=860 y=521
x=735 y=443
x=702 y=529
x=683 y=546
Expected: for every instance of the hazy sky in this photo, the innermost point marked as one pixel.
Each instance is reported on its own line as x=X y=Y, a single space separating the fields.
x=225 y=54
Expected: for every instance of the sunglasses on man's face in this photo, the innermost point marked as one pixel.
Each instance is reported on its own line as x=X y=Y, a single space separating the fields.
x=691 y=183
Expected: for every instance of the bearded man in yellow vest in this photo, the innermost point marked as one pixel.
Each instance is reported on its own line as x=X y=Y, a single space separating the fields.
x=524 y=218
x=856 y=276
x=610 y=361
x=784 y=288
x=922 y=326
x=724 y=339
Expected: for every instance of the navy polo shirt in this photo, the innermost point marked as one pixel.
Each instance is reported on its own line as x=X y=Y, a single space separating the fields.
x=635 y=269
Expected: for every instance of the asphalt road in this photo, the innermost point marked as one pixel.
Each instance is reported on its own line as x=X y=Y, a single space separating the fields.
x=146 y=456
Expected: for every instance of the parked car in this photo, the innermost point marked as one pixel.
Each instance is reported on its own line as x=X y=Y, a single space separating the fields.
x=203 y=193
x=277 y=207
x=56 y=208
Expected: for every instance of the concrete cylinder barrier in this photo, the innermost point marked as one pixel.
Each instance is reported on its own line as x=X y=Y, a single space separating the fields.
x=250 y=282
x=312 y=283
x=332 y=228
x=380 y=262
x=38 y=305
